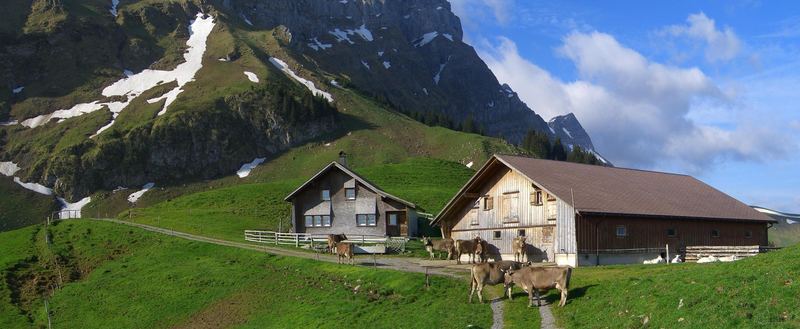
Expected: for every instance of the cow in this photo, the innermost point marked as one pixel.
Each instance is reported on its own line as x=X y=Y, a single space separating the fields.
x=518 y=247
x=333 y=239
x=344 y=250
x=533 y=279
x=447 y=245
x=470 y=247
x=489 y=273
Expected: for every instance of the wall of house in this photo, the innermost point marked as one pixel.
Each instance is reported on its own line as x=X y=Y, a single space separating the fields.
x=343 y=212
x=599 y=232
x=537 y=221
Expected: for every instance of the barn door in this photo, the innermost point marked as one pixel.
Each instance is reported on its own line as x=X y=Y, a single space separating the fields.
x=396 y=223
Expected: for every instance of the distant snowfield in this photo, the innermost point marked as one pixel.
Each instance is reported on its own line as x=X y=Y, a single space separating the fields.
x=18 y=90
x=113 y=10
x=138 y=194
x=36 y=187
x=251 y=76
x=73 y=210
x=310 y=85
x=135 y=84
x=246 y=168
x=8 y=168
x=344 y=35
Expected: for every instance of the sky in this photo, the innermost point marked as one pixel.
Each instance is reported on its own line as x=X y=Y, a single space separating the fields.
x=709 y=89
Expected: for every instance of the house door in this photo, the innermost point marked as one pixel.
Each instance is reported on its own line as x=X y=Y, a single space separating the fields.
x=396 y=223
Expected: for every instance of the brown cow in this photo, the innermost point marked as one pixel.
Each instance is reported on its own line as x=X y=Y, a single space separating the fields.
x=489 y=273
x=431 y=246
x=518 y=248
x=333 y=239
x=470 y=247
x=533 y=279
x=344 y=250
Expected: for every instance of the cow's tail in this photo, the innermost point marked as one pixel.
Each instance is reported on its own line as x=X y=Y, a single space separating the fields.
x=569 y=275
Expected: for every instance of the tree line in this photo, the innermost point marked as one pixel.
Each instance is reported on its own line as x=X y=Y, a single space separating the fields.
x=539 y=145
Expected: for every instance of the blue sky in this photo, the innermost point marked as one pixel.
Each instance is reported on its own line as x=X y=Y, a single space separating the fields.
x=710 y=89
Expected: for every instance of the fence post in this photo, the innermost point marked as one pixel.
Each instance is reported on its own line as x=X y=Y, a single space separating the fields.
x=297 y=241
x=667 y=253
x=276 y=238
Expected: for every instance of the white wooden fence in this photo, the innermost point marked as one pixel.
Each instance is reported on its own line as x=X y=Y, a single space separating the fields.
x=364 y=243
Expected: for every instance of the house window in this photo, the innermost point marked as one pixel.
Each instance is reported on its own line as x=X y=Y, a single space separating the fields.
x=748 y=234
x=521 y=233
x=326 y=195
x=473 y=217
x=318 y=221
x=536 y=198
x=671 y=232
x=393 y=219
x=350 y=193
x=511 y=207
x=715 y=233
x=622 y=231
x=366 y=220
x=488 y=203
x=497 y=235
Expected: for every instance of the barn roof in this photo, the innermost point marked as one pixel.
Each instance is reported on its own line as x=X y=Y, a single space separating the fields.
x=618 y=191
x=355 y=176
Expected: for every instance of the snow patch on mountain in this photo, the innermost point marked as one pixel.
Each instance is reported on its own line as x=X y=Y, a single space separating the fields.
x=425 y=39
x=9 y=168
x=387 y=65
x=317 y=45
x=308 y=84
x=566 y=132
x=18 y=90
x=251 y=76
x=246 y=168
x=113 y=10
x=72 y=210
x=365 y=64
x=344 y=35
x=36 y=187
x=438 y=75
x=133 y=197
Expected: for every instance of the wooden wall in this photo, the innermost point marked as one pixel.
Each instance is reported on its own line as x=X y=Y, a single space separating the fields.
x=537 y=221
x=343 y=213
x=599 y=232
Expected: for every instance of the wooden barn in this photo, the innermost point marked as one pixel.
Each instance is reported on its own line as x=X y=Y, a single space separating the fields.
x=576 y=214
x=336 y=200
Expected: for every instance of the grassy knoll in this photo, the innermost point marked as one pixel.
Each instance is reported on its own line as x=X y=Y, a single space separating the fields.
x=123 y=277
x=759 y=292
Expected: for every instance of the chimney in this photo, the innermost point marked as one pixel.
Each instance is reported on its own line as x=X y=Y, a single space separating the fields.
x=343 y=158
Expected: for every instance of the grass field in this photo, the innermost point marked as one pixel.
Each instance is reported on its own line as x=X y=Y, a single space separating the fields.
x=123 y=277
x=760 y=292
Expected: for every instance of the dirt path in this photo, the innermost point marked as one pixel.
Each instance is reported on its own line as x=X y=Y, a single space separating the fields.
x=548 y=321
x=395 y=263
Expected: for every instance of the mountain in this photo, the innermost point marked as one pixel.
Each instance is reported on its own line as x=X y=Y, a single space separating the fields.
x=571 y=132
x=786 y=231
x=98 y=96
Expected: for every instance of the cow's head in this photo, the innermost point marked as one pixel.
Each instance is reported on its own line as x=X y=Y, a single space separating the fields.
x=508 y=281
x=522 y=239
x=426 y=241
x=479 y=248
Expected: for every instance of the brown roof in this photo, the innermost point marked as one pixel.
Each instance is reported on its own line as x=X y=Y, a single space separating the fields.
x=620 y=191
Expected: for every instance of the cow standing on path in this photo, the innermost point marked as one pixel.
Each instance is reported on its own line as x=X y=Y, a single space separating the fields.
x=334 y=239
x=447 y=245
x=489 y=273
x=518 y=247
x=534 y=279
x=345 y=250
x=470 y=247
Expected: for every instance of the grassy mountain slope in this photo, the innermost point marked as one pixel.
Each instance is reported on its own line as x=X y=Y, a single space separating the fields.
x=20 y=207
x=758 y=292
x=140 y=279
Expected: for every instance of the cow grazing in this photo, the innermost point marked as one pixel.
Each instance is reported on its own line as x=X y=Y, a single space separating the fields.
x=536 y=279
x=345 y=250
x=708 y=259
x=518 y=247
x=446 y=245
x=677 y=259
x=657 y=260
x=489 y=273
x=333 y=239
x=470 y=247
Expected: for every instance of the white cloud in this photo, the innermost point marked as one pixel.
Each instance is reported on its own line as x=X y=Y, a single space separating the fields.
x=470 y=9
x=720 y=45
x=636 y=110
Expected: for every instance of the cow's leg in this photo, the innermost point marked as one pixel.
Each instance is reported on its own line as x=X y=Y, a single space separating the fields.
x=531 y=293
x=458 y=257
x=564 y=293
x=509 y=291
x=538 y=297
x=472 y=287
x=480 y=292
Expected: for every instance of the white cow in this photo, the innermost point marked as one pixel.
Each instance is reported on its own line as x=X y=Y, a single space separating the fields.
x=659 y=260
x=677 y=259
x=708 y=259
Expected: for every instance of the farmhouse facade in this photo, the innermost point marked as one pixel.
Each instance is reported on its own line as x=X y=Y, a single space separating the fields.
x=577 y=214
x=336 y=200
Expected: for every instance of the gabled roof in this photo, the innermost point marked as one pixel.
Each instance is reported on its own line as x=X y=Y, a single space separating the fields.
x=355 y=176
x=619 y=191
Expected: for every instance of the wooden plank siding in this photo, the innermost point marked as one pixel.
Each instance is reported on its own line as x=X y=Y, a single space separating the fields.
x=599 y=232
x=511 y=211
x=343 y=211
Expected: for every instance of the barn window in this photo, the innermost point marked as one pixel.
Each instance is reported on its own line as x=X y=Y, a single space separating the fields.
x=326 y=195
x=326 y=220
x=715 y=233
x=671 y=232
x=511 y=207
x=393 y=219
x=350 y=193
x=497 y=235
x=622 y=230
x=536 y=198
x=309 y=221
x=748 y=234
x=473 y=217
x=488 y=203
x=366 y=220
x=521 y=233
x=317 y=220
